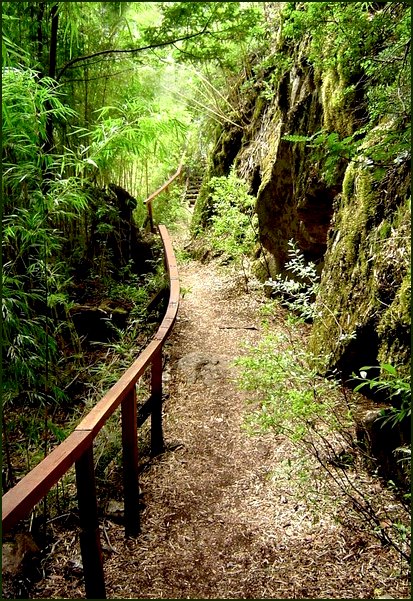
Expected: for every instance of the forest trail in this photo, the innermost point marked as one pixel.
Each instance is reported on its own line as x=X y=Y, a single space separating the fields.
x=219 y=521
x=216 y=524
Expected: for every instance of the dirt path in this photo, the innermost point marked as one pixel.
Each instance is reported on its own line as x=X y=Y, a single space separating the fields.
x=217 y=522
x=216 y=525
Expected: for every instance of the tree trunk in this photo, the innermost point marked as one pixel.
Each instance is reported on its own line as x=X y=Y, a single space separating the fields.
x=54 y=13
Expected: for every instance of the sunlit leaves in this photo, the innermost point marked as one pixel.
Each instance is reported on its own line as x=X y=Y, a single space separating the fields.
x=233 y=222
x=215 y=31
x=134 y=132
x=299 y=291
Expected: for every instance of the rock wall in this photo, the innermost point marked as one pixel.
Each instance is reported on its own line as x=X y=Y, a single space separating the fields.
x=293 y=198
x=353 y=220
x=364 y=300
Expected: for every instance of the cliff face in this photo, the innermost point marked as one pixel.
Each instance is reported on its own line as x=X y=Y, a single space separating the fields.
x=293 y=200
x=346 y=214
x=364 y=300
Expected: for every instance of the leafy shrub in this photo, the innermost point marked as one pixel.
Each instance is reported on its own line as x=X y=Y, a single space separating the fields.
x=394 y=387
x=298 y=293
x=292 y=397
x=316 y=415
x=169 y=207
x=233 y=224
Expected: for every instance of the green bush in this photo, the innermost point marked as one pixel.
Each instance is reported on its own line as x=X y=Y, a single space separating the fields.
x=233 y=224
x=394 y=388
x=299 y=292
x=292 y=397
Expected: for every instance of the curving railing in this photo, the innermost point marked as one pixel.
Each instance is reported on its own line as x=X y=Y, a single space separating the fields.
x=163 y=188
x=77 y=448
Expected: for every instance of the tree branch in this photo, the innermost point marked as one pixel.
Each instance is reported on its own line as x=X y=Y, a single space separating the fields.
x=83 y=79
x=86 y=57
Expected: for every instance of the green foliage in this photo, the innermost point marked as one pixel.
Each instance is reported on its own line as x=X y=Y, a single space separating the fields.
x=292 y=398
x=26 y=103
x=328 y=149
x=169 y=207
x=394 y=388
x=33 y=278
x=232 y=226
x=316 y=415
x=127 y=134
x=269 y=72
x=298 y=293
x=367 y=47
x=210 y=31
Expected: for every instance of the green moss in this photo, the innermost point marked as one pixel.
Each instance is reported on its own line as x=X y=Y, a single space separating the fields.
x=225 y=151
x=335 y=103
x=384 y=230
x=365 y=194
x=394 y=329
x=348 y=183
x=365 y=288
x=260 y=105
x=273 y=142
x=202 y=210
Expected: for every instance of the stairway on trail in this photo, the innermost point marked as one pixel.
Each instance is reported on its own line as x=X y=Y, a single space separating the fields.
x=193 y=186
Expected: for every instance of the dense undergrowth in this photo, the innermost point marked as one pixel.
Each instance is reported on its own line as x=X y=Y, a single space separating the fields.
x=321 y=417
x=79 y=266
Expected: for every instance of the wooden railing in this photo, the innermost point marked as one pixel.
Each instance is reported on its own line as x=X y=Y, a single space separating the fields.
x=77 y=449
x=163 y=188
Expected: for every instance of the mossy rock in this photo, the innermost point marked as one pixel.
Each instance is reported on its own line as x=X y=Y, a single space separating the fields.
x=365 y=288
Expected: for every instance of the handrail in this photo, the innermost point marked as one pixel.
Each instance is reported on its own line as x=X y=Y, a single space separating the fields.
x=77 y=448
x=164 y=187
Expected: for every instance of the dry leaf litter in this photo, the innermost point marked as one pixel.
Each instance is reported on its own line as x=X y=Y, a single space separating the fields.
x=222 y=515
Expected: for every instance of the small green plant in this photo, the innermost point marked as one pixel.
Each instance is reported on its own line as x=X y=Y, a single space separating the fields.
x=299 y=292
x=291 y=396
x=394 y=387
x=169 y=207
x=327 y=149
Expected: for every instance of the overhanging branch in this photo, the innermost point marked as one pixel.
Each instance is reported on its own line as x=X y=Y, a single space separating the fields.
x=87 y=57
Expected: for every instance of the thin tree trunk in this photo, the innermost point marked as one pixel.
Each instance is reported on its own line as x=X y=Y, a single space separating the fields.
x=54 y=13
x=40 y=40
x=86 y=116
x=10 y=479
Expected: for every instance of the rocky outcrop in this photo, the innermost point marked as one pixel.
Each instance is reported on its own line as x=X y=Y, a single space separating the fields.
x=364 y=299
x=20 y=566
x=294 y=201
x=348 y=216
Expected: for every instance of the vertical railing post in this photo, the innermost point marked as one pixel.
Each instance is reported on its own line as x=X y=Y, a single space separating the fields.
x=157 y=444
x=130 y=464
x=89 y=535
x=150 y=214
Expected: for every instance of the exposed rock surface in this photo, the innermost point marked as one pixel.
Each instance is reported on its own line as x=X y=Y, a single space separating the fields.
x=200 y=366
x=15 y=554
x=352 y=218
x=19 y=565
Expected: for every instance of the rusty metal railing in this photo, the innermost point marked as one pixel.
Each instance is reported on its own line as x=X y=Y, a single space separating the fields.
x=77 y=449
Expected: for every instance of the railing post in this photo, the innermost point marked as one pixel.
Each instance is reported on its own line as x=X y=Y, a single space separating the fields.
x=157 y=444
x=150 y=214
x=89 y=535
x=130 y=464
